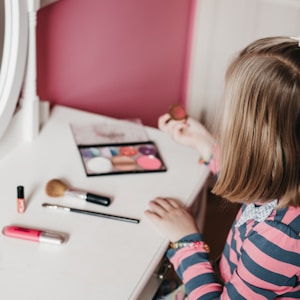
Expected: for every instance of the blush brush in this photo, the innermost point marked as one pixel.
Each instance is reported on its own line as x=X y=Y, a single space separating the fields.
x=58 y=188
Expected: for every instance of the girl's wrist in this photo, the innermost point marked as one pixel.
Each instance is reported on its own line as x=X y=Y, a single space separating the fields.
x=193 y=240
x=191 y=244
x=206 y=151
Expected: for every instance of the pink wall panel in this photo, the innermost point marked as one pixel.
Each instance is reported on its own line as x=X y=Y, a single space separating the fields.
x=121 y=58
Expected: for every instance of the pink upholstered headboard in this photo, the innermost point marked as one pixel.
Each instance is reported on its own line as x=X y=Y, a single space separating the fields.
x=121 y=58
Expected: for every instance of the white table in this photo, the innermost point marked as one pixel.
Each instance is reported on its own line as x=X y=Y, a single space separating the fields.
x=102 y=259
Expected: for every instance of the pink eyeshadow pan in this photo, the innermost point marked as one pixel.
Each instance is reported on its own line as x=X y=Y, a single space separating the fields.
x=149 y=162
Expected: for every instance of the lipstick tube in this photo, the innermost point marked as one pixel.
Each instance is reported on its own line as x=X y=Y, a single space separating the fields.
x=33 y=235
x=21 y=204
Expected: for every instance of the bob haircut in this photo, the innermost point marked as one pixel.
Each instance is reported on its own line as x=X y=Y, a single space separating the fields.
x=260 y=127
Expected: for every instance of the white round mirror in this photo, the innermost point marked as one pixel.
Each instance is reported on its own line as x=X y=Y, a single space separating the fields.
x=14 y=17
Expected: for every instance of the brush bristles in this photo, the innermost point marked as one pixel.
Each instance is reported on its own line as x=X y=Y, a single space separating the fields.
x=56 y=188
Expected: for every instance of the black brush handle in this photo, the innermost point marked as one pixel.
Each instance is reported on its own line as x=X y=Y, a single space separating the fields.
x=102 y=215
x=97 y=199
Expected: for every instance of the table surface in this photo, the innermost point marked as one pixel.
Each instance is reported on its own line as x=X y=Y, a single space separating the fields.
x=102 y=258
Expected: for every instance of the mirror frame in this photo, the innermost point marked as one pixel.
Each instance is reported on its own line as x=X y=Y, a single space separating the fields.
x=13 y=60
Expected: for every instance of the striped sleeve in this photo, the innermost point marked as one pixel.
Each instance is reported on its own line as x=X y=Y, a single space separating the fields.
x=194 y=269
x=267 y=267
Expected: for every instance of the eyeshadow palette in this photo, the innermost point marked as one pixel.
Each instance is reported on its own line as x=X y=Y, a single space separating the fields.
x=121 y=158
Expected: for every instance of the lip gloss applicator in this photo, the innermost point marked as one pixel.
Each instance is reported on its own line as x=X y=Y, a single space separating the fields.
x=34 y=235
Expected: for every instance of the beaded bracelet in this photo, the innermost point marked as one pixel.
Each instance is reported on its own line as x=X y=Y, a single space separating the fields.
x=191 y=244
x=204 y=161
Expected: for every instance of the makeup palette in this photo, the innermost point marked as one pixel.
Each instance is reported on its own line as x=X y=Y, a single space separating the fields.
x=121 y=158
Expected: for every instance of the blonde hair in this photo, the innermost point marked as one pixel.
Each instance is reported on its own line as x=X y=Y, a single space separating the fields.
x=260 y=130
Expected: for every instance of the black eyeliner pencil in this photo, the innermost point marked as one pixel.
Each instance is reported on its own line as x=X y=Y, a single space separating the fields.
x=91 y=213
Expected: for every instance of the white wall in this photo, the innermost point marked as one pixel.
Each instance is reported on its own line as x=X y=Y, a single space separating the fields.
x=223 y=27
x=1 y=28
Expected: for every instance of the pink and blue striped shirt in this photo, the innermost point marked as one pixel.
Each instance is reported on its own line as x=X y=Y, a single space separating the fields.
x=260 y=260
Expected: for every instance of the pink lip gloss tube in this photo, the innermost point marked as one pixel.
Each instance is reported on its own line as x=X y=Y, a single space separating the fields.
x=33 y=235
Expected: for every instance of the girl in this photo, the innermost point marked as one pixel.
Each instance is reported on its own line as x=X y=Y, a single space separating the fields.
x=257 y=163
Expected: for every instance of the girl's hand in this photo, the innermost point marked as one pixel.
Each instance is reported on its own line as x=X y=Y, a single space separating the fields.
x=171 y=218
x=188 y=132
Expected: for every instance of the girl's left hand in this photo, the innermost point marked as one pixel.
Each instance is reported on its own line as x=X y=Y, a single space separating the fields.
x=188 y=132
x=171 y=218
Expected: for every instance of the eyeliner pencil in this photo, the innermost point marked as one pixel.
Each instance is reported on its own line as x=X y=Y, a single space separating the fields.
x=91 y=213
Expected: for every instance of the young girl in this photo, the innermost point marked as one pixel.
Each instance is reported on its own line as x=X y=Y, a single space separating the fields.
x=257 y=163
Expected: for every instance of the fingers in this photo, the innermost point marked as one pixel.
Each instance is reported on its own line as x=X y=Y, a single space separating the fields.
x=172 y=219
x=163 y=122
x=164 y=203
x=178 y=131
x=152 y=216
x=161 y=206
x=167 y=124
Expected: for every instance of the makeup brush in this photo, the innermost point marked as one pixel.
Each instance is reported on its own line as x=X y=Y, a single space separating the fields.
x=57 y=188
x=91 y=213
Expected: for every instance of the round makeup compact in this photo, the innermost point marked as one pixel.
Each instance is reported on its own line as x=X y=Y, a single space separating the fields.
x=177 y=112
